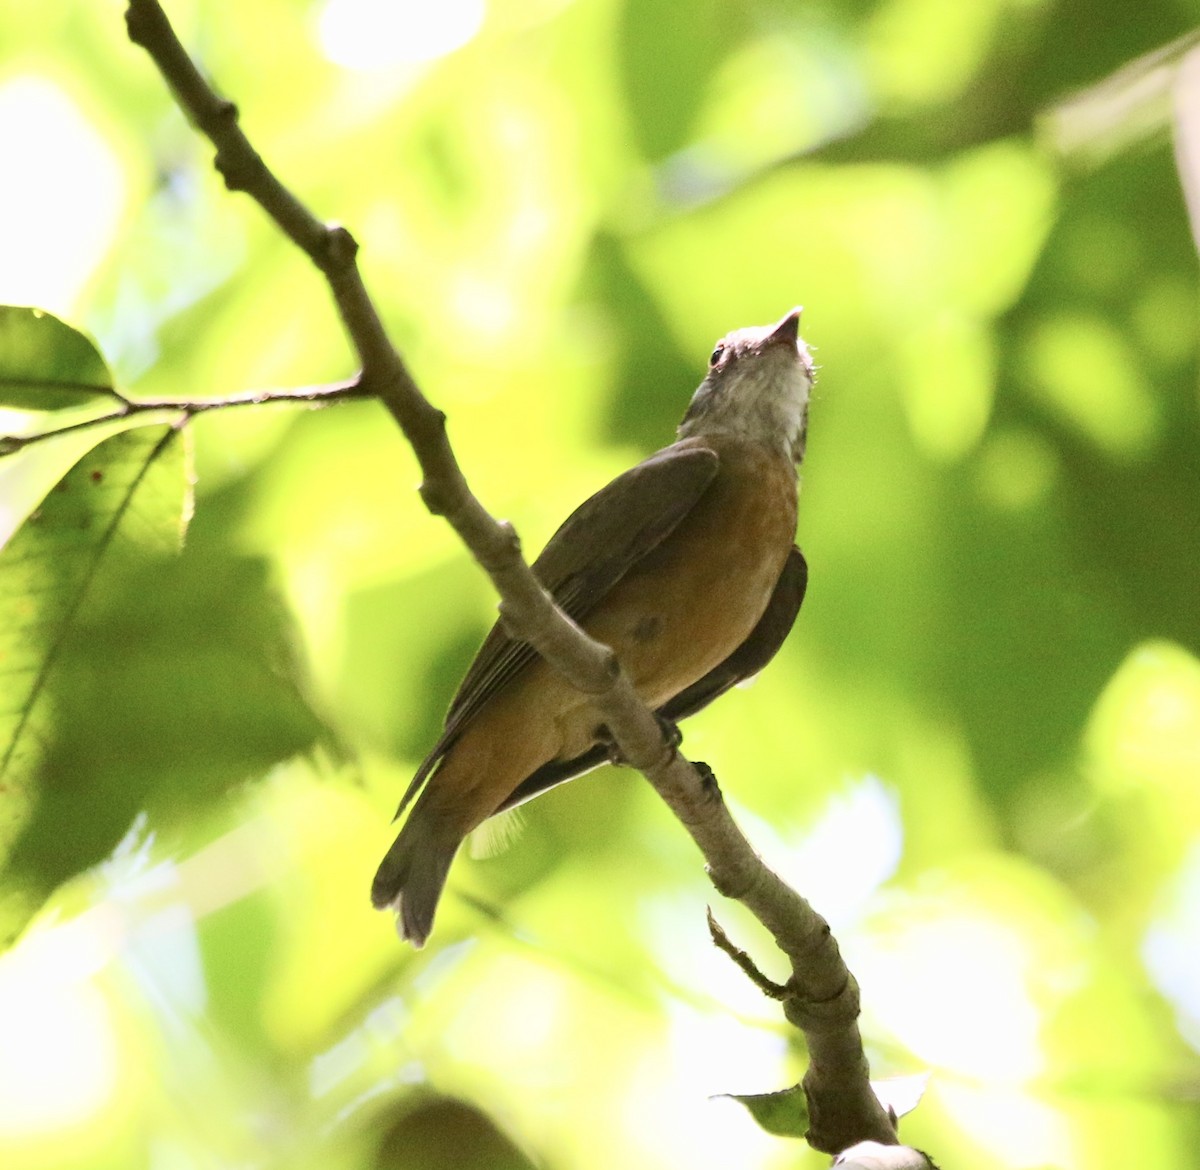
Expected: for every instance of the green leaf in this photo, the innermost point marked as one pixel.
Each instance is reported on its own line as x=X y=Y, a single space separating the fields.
x=178 y=682
x=784 y=1114
x=28 y=475
x=130 y=492
x=441 y=1133
x=669 y=53
x=46 y=365
x=651 y=374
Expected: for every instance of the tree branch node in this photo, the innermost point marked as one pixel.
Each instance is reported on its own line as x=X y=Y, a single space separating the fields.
x=136 y=24
x=736 y=884
x=341 y=249
x=433 y=496
x=231 y=169
x=824 y=1015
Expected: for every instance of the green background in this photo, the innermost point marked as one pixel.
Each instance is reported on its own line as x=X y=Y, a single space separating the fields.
x=978 y=753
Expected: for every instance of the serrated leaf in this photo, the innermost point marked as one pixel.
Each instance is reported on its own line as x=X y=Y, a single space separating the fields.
x=46 y=365
x=784 y=1114
x=131 y=492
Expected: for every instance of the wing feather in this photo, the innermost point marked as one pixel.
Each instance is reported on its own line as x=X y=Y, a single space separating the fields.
x=745 y=662
x=591 y=551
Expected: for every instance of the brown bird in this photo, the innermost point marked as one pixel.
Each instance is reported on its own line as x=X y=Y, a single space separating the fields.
x=684 y=565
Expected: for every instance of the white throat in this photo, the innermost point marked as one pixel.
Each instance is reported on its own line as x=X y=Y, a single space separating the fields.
x=761 y=397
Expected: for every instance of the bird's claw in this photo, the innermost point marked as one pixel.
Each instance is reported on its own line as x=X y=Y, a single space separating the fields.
x=668 y=727
x=670 y=731
x=605 y=738
x=708 y=778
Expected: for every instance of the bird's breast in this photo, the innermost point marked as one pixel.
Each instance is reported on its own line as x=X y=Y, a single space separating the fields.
x=693 y=600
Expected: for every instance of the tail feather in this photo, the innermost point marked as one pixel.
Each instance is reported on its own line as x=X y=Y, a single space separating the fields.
x=411 y=876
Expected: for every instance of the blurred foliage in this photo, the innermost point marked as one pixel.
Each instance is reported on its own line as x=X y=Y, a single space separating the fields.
x=978 y=753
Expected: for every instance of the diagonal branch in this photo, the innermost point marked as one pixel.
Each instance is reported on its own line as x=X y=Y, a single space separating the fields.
x=822 y=995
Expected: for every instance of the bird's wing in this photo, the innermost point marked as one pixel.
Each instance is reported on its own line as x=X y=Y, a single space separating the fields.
x=746 y=661
x=592 y=550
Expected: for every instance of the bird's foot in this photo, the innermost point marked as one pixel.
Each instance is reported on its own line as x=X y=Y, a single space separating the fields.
x=604 y=738
x=670 y=731
x=708 y=778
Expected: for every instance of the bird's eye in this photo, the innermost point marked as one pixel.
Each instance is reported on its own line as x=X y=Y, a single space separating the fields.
x=716 y=354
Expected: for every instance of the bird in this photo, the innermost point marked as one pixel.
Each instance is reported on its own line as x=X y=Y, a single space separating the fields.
x=685 y=565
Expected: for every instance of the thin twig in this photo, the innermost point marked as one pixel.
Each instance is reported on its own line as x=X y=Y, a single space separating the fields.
x=824 y=997
x=747 y=965
x=189 y=408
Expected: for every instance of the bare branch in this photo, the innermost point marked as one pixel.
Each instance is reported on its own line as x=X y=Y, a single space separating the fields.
x=188 y=408
x=823 y=997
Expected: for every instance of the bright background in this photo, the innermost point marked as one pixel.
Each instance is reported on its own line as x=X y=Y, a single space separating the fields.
x=978 y=754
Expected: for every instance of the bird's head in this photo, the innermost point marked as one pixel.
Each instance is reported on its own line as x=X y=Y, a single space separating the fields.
x=756 y=388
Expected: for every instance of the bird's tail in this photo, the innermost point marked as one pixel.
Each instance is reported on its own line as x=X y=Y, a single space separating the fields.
x=411 y=876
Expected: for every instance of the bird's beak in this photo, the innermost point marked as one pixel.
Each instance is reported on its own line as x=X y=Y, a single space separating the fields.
x=788 y=330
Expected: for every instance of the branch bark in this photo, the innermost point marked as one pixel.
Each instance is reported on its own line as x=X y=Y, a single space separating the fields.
x=821 y=995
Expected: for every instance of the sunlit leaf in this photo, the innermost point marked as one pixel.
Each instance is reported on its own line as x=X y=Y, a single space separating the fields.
x=28 y=474
x=784 y=1114
x=129 y=493
x=901 y=1095
x=45 y=364
x=179 y=682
